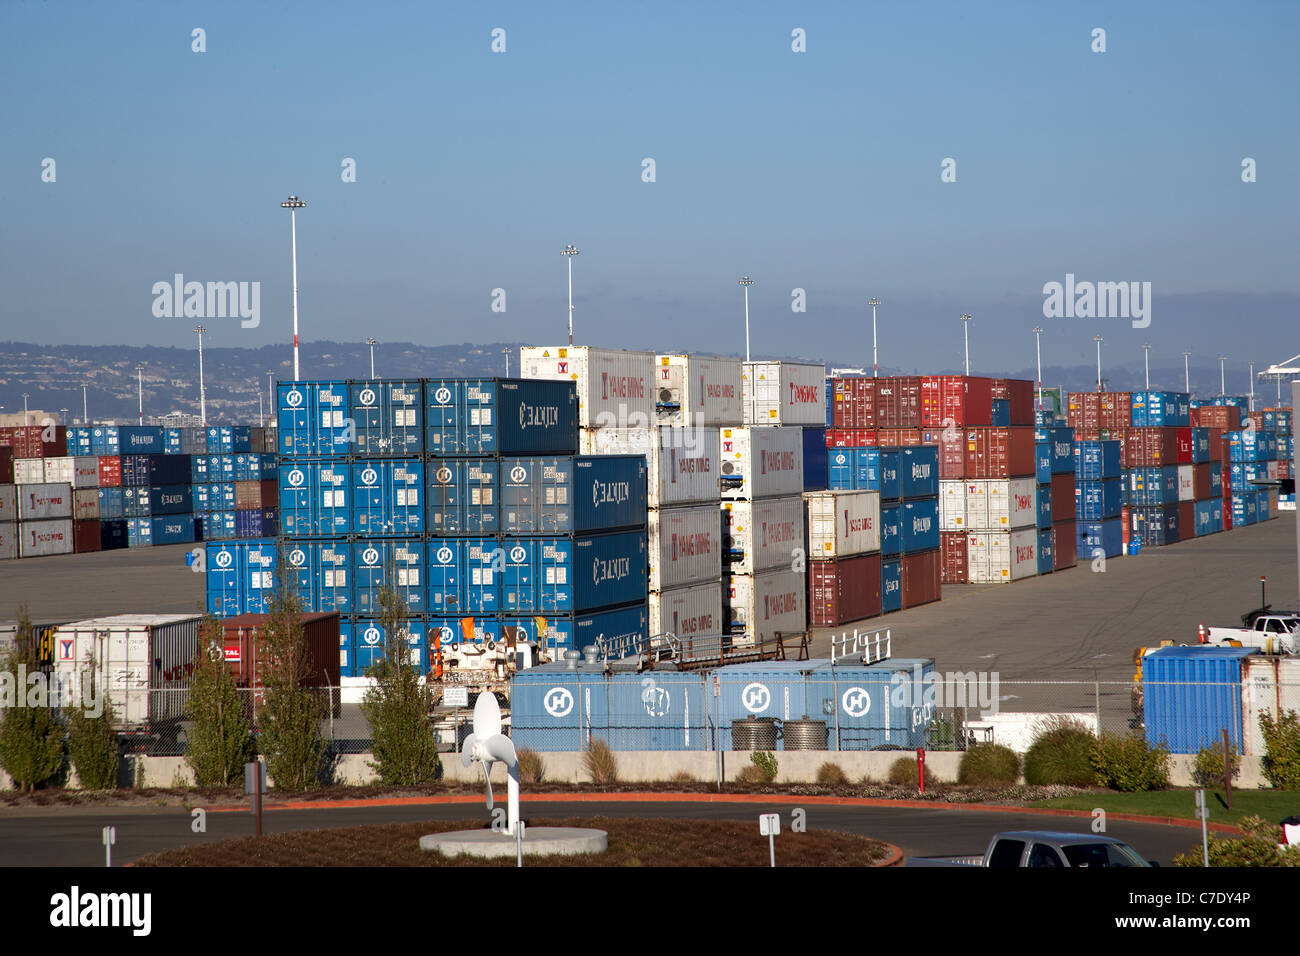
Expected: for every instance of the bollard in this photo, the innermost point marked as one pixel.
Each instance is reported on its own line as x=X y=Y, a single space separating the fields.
x=920 y=767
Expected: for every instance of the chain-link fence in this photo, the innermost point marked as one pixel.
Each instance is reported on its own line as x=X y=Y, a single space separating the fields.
x=784 y=708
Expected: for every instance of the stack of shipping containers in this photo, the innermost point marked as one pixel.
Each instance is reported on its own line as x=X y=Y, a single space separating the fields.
x=1055 y=472
x=693 y=397
x=35 y=516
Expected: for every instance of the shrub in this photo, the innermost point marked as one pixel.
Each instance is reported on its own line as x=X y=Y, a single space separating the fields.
x=751 y=774
x=903 y=772
x=532 y=769
x=220 y=741
x=1259 y=847
x=289 y=719
x=1129 y=764
x=766 y=764
x=683 y=778
x=831 y=775
x=1207 y=770
x=92 y=747
x=1061 y=753
x=31 y=738
x=1281 y=763
x=988 y=765
x=601 y=764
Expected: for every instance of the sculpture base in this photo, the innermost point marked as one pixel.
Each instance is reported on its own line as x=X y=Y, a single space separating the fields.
x=538 y=841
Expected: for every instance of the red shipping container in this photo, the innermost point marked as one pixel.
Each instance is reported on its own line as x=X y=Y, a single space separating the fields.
x=1183 y=443
x=999 y=452
x=110 y=471
x=1124 y=527
x=922 y=578
x=844 y=590
x=1116 y=410
x=1222 y=417
x=956 y=400
x=255 y=495
x=854 y=402
x=1087 y=434
x=1063 y=498
x=321 y=633
x=952 y=548
x=36 y=441
x=898 y=437
x=898 y=402
x=6 y=466
x=1065 y=546
x=85 y=535
x=1284 y=468
x=1200 y=482
x=1186 y=520
x=1149 y=447
x=1227 y=514
x=850 y=438
x=1019 y=393
x=952 y=450
x=1084 y=410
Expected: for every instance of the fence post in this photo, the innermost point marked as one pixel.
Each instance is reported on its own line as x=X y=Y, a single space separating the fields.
x=835 y=703
x=1096 y=690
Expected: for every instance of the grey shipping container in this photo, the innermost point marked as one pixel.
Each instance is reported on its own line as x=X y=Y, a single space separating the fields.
x=8 y=503
x=45 y=501
x=37 y=538
x=8 y=539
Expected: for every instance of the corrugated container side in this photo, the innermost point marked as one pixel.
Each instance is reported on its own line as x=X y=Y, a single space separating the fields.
x=682 y=463
x=687 y=612
x=783 y=393
x=761 y=462
x=1191 y=695
x=698 y=390
x=615 y=388
x=842 y=523
x=761 y=535
x=685 y=546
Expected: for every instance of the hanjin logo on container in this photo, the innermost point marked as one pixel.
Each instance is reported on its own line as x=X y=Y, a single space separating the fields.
x=518 y=473
x=442 y=396
x=370 y=556
x=296 y=478
x=367 y=396
x=1100 y=300
x=444 y=555
x=369 y=476
x=371 y=635
x=297 y=557
x=517 y=554
x=224 y=559
x=558 y=702
x=213 y=300
x=756 y=698
x=293 y=398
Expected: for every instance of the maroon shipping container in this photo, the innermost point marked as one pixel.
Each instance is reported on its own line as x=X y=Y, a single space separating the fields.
x=1200 y=481
x=1124 y=527
x=952 y=550
x=1222 y=417
x=850 y=438
x=854 y=402
x=1148 y=447
x=6 y=466
x=1220 y=450
x=898 y=437
x=1186 y=520
x=1063 y=498
x=952 y=450
x=1116 y=410
x=922 y=578
x=30 y=441
x=956 y=400
x=844 y=590
x=85 y=535
x=898 y=402
x=1065 y=545
x=1183 y=445
x=1083 y=410
x=999 y=452
x=110 y=471
x=1019 y=394
x=255 y=495
x=1283 y=468
x=240 y=641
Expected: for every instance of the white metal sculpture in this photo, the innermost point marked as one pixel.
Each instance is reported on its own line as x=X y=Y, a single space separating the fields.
x=486 y=745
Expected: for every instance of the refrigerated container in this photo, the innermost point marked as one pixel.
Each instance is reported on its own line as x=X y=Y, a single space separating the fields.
x=615 y=388
x=783 y=393
x=40 y=537
x=842 y=523
x=764 y=534
x=8 y=502
x=685 y=546
x=758 y=607
x=698 y=390
x=44 y=501
x=995 y=557
x=683 y=464
x=761 y=462
x=79 y=472
x=687 y=612
x=1012 y=504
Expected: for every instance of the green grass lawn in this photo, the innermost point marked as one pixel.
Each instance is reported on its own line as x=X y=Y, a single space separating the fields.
x=1272 y=805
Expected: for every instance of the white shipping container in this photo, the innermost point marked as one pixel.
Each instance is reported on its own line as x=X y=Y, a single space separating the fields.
x=85 y=503
x=51 y=536
x=81 y=471
x=8 y=540
x=977 y=505
x=44 y=501
x=952 y=505
x=698 y=390
x=8 y=503
x=1186 y=491
x=1270 y=684
x=685 y=546
x=692 y=611
x=761 y=462
x=784 y=393
x=29 y=471
x=138 y=653
x=995 y=557
x=759 y=606
x=764 y=534
x=683 y=462
x=842 y=524
x=1013 y=503
x=615 y=387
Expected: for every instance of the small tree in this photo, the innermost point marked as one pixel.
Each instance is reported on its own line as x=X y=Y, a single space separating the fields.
x=31 y=737
x=221 y=739
x=400 y=706
x=1281 y=763
x=92 y=741
x=289 y=717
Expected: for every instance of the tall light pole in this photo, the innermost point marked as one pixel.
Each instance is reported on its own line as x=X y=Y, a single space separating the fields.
x=1187 y=375
x=261 y=411
x=745 y=283
x=25 y=394
x=270 y=392
x=85 y=412
x=203 y=395
x=965 y=332
x=1251 y=407
x=1146 y=364
x=1222 y=387
x=371 y=342
x=139 y=385
x=506 y=353
x=875 y=364
x=1097 y=339
x=569 y=252
x=1038 y=355
x=293 y=204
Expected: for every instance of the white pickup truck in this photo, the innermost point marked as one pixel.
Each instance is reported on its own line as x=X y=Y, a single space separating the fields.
x=1271 y=632
x=1044 y=848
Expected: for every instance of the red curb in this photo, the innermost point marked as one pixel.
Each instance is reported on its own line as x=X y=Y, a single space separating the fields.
x=750 y=798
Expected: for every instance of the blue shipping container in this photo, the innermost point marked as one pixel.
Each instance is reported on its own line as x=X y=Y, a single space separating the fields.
x=1097 y=500
x=157 y=469
x=1191 y=695
x=1106 y=536
x=1096 y=460
x=497 y=416
x=240 y=577
x=1045 y=552
x=110 y=503
x=373 y=560
x=920 y=521
x=313 y=419
x=315 y=499
x=388 y=497
x=462 y=496
x=891 y=586
x=572 y=494
x=815 y=477
x=364 y=638
x=389 y=416
x=891 y=528
x=919 y=471
x=1043 y=462
x=1044 y=500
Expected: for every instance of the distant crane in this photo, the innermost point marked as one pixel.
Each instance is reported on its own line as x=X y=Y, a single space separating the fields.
x=1280 y=371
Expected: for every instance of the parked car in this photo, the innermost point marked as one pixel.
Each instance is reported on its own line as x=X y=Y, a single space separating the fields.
x=1044 y=848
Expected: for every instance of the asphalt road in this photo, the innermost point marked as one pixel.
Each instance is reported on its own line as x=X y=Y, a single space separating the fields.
x=71 y=836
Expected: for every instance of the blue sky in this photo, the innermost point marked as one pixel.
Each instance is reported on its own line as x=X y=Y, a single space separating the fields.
x=816 y=170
